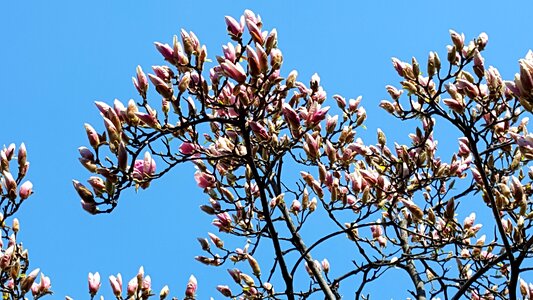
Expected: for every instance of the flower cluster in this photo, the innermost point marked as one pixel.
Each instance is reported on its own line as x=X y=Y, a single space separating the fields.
x=138 y=288
x=246 y=125
x=15 y=279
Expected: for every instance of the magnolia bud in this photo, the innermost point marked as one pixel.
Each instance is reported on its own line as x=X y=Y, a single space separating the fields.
x=325 y=265
x=254 y=265
x=224 y=290
x=192 y=285
x=26 y=283
x=94 y=283
x=164 y=292
x=276 y=58
x=16 y=225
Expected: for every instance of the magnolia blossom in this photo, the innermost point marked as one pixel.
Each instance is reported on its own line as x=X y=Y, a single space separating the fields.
x=204 y=180
x=116 y=284
x=26 y=189
x=143 y=169
x=223 y=222
x=192 y=285
x=27 y=282
x=42 y=287
x=94 y=283
x=132 y=286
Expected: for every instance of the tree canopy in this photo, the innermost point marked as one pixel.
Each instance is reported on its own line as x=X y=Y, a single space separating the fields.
x=284 y=172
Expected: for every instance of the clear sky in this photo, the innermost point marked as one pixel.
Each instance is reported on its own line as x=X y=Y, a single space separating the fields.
x=58 y=57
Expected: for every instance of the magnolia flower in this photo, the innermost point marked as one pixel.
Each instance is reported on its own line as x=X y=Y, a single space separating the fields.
x=164 y=292
x=141 y=82
x=296 y=206
x=223 y=222
x=204 y=180
x=325 y=265
x=26 y=189
x=224 y=290
x=42 y=287
x=94 y=283
x=132 y=286
x=143 y=169
x=166 y=51
x=235 y=28
x=233 y=71
x=116 y=284
x=192 y=285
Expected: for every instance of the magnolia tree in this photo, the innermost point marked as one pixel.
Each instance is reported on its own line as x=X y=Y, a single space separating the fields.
x=247 y=125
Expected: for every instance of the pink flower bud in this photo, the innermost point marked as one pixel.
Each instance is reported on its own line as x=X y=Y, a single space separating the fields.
x=255 y=32
x=35 y=287
x=276 y=58
x=148 y=164
x=26 y=189
x=467 y=87
x=229 y=52
x=262 y=58
x=163 y=72
x=290 y=115
x=10 y=184
x=183 y=84
x=28 y=281
x=83 y=192
x=204 y=180
x=147 y=284
x=94 y=139
x=191 y=44
x=86 y=153
x=399 y=66
x=166 y=51
x=89 y=206
x=250 y=15
x=235 y=274
x=94 y=283
x=296 y=207
x=259 y=130
x=21 y=157
x=482 y=41
x=316 y=114
x=224 y=290
x=455 y=105
x=253 y=61
x=457 y=39
x=10 y=151
x=45 y=284
x=216 y=240
x=145 y=168
x=141 y=82
x=192 y=285
x=331 y=123
x=325 y=265
x=233 y=71
x=313 y=204
x=132 y=286
x=187 y=148
x=116 y=284
x=162 y=88
x=235 y=28
x=469 y=221
x=223 y=222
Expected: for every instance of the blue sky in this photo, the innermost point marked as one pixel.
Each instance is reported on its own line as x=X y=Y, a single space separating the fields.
x=58 y=57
